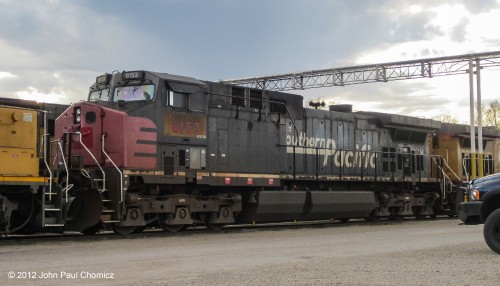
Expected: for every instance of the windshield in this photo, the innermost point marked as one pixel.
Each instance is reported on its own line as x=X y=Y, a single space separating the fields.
x=134 y=92
x=99 y=95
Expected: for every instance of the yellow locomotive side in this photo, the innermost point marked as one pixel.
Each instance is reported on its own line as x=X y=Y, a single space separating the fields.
x=449 y=148
x=496 y=154
x=452 y=142
x=18 y=142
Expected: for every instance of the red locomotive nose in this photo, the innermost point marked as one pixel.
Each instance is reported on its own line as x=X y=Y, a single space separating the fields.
x=81 y=124
x=130 y=142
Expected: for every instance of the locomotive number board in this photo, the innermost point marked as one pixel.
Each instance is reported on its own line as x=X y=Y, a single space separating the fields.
x=181 y=124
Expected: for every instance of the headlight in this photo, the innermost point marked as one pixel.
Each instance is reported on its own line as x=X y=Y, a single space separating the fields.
x=77 y=115
x=474 y=195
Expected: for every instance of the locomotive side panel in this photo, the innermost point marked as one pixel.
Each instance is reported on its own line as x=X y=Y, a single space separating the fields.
x=243 y=146
x=452 y=142
x=18 y=144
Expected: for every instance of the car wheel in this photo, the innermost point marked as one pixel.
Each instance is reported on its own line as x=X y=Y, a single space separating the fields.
x=491 y=231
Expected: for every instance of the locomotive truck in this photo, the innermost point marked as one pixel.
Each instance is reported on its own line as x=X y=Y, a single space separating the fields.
x=152 y=148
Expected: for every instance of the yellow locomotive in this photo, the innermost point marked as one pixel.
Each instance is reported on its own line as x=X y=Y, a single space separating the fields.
x=30 y=199
x=452 y=142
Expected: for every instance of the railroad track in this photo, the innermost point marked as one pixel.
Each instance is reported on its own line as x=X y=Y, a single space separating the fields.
x=158 y=232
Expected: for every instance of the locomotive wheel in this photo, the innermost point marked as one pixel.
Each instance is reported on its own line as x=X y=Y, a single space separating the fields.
x=372 y=218
x=170 y=227
x=214 y=226
x=139 y=229
x=394 y=215
x=419 y=217
x=491 y=231
x=123 y=230
x=92 y=230
x=173 y=228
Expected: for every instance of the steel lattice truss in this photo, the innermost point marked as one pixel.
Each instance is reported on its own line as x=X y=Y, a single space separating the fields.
x=423 y=68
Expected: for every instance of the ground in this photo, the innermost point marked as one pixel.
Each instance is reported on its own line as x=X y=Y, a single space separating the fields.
x=429 y=252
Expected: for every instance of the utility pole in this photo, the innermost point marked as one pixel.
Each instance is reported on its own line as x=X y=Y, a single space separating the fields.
x=472 y=125
x=479 y=119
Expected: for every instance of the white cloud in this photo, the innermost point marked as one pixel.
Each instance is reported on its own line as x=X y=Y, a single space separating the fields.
x=485 y=27
x=54 y=49
x=33 y=94
x=447 y=16
x=4 y=75
x=415 y=9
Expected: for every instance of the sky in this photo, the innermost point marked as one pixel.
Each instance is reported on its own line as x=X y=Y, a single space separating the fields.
x=52 y=50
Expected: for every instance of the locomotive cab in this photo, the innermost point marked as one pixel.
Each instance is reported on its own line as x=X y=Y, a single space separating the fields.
x=141 y=150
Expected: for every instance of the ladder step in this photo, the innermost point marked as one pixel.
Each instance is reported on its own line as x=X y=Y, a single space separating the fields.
x=111 y=221
x=50 y=220
x=51 y=193
x=53 y=225
x=106 y=201
x=108 y=211
x=52 y=210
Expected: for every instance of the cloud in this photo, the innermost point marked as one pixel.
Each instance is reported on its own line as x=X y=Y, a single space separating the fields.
x=458 y=32
x=6 y=75
x=54 y=49
x=33 y=94
x=481 y=6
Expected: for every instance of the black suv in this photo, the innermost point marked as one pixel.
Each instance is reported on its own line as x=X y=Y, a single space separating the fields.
x=483 y=206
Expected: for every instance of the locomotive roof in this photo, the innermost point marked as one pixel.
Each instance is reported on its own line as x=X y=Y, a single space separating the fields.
x=178 y=78
x=464 y=130
x=19 y=102
x=403 y=121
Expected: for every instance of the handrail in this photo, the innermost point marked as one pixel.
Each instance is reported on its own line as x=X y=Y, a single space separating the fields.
x=95 y=160
x=66 y=188
x=447 y=178
x=447 y=166
x=465 y=168
x=116 y=167
x=51 y=177
x=434 y=159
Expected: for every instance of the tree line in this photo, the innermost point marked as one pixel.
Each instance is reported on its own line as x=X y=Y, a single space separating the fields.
x=490 y=112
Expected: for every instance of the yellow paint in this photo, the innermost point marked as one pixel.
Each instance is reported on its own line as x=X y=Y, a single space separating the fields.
x=18 y=179
x=473 y=166
x=18 y=142
x=481 y=165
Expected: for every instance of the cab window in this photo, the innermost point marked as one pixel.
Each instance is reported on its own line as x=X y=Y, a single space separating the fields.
x=178 y=100
x=99 y=95
x=134 y=93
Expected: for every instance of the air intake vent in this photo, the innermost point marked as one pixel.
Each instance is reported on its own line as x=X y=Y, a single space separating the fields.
x=238 y=96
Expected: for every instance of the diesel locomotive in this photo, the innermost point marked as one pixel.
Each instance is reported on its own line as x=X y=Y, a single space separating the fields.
x=155 y=149
x=30 y=199
x=152 y=148
x=453 y=143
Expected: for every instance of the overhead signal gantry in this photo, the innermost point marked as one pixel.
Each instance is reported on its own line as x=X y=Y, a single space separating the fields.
x=382 y=72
